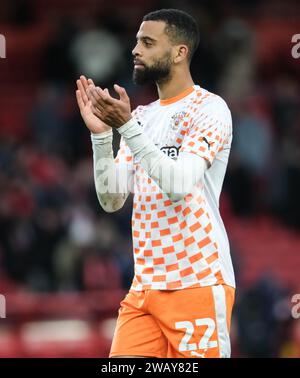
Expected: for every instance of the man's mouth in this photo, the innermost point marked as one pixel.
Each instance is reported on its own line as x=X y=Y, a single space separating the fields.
x=138 y=64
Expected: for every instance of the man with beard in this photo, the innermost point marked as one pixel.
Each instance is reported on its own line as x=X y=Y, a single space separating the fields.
x=175 y=150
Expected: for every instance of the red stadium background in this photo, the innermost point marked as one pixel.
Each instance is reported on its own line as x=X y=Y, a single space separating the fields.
x=64 y=263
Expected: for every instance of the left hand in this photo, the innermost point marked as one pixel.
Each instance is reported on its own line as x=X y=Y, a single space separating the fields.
x=109 y=110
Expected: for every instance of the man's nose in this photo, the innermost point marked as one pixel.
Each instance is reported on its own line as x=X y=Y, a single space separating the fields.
x=136 y=51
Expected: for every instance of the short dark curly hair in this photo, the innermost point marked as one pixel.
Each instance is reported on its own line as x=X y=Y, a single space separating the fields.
x=180 y=27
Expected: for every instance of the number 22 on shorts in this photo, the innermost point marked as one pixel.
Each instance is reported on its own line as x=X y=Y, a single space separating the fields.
x=204 y=342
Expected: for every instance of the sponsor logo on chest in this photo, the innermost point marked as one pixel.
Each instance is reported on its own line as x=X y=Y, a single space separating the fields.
x=171 y=151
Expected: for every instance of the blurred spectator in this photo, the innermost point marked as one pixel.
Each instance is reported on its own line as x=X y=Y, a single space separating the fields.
x=286 y=114
x=250 y=165
x=58 y=64
x=291 y=158
x=49 y=127
x=257 y=319
x=20 y=13
x=235 y=53
x=96 y=52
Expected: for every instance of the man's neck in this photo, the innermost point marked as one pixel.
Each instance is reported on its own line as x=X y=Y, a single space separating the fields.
x=176 y=85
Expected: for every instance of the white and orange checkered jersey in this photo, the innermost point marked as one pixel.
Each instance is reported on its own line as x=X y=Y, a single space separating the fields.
x=184 y=243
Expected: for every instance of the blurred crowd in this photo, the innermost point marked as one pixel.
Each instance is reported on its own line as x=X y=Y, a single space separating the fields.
x=53 y=234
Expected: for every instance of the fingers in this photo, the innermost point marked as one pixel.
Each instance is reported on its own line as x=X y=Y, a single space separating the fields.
x=84 y=82
x=91 y=84
x=80 y=101
x=96 y=100
x=97 y=112
x=86 y=85
x=82 y=91
x=101 y=98
x=122 y=93
x=106 y=97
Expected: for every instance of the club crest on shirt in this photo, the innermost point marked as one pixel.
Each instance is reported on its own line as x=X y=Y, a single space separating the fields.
x=176 y=119
x=174 y=125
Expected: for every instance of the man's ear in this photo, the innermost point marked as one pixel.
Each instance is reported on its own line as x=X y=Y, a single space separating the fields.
x=181 y=53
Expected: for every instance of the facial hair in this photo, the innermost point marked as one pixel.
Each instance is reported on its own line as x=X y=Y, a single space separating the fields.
x=159 y=72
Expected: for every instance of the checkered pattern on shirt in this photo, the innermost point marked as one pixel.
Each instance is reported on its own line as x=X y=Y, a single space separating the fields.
x=173 y=243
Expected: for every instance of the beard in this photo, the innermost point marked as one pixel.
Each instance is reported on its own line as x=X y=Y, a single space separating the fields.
x=159 y=72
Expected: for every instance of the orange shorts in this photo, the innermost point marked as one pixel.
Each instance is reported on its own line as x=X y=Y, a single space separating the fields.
x=192 y=322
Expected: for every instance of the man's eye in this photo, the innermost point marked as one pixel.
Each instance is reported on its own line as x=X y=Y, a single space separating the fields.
x=148 y=43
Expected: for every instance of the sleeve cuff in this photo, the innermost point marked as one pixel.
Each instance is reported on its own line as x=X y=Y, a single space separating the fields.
x=101 y=138
x=130 y=129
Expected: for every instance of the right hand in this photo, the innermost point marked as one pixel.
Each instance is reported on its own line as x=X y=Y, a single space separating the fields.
x=93 y=123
